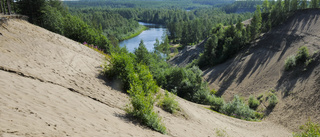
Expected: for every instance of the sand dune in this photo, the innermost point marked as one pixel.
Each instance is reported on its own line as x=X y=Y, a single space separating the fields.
x=52 y=86
x=260 y=68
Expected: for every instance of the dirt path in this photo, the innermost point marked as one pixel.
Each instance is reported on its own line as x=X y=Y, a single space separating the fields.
x=51 y=86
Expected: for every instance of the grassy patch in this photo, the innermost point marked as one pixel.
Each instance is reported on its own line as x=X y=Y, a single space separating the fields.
x=310 y=129
x=139 y=30
x=97 y=49
x=221 y=133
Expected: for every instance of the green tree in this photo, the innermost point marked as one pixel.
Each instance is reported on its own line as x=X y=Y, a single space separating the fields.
x=32 y=9
x=156 y=46
x=304 y=4
x=142 y=54
x=294 y=5
x=265 y=6
x=209 y=56
x=286 y=5
x=314 y=3
x=256 y=23
x=53 y=19
x=239 y=25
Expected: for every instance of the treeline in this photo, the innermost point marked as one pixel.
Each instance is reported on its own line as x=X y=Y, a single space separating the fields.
x=52 y=15
x=242 y=6
x=112 y=24
x=185 y=27
x=198 y=24
x=7 y=6
x=171 y=4
x=225 y=42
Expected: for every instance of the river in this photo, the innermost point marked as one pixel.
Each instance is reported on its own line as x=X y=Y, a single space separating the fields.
x=148 y=36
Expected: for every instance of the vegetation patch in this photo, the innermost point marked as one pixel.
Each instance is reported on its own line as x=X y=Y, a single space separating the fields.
x=273 y=100
x=290 y=62
x=237 y=108
x=139 y=83
x=97 y=49
x=301 y=58
x=253 y=103
x=310 y=129
x=221 y=133
x=168 y=103
x=140 y=29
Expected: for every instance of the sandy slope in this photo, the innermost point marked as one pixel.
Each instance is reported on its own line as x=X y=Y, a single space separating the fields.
x=261 y=68
x=51 y=86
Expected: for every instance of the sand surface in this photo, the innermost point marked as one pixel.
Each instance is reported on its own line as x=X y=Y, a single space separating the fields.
x=52 y=86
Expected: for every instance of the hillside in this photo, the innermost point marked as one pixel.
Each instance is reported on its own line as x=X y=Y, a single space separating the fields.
x=260 y=68
x=52 y=86
x=187 y=54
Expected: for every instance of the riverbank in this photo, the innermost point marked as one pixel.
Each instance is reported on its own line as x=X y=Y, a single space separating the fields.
x=140 y=29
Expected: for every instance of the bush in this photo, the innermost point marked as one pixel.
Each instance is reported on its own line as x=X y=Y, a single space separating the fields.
x=290 y=62
x=142 y=108
x=139 y=83
x=302 y=55
x=168 y=103
x=215 y=102
x=259 y=115
x=121 y=67
x=188 y=83
x=273 y=100
x=310 y=129
x=237 y=108
x=253 y=103
x=213 y=92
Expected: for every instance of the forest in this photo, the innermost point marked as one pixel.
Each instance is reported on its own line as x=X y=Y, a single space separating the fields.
x=185 y=27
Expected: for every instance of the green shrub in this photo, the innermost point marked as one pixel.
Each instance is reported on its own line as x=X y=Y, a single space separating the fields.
x=259 y=115
x=168 y=103
x=142 y=108
x=253 y=103
x=121 y=67
x=310 y=129
x=213 y=92
x=237 y=108
x=273 y=100
x=290 y=62
x=302 y=55
x=215 y=102
x=139 y=83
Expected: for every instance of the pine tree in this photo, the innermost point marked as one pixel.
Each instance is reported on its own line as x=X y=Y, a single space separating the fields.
x=32 y=9
x=265 y=6
x=286 y=5
x=239 y=25
x=314 y=3
x=256 y=23
x=294 y=5
x=303 y=4
x=142 y=54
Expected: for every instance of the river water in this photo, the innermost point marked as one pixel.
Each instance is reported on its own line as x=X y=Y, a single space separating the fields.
x=148 y=36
